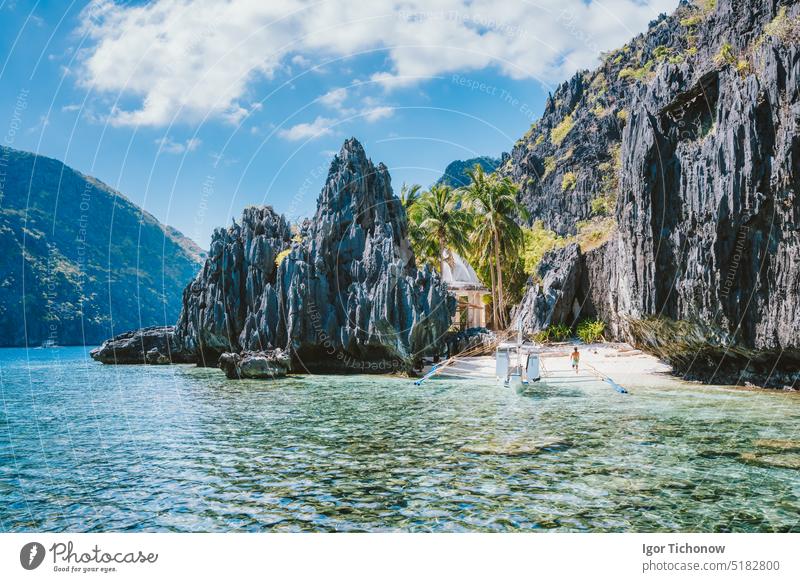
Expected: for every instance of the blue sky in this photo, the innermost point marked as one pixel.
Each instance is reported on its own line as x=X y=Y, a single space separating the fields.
x=195 y=109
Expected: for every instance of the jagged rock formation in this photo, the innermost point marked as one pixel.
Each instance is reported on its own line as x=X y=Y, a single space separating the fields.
x=347 y=296
x=688 y=136
x=81 y=262
x=227 y=303
x=255 y=365
x=455 y=174
x=150 y=345
x=554 y=300
x=478 y=341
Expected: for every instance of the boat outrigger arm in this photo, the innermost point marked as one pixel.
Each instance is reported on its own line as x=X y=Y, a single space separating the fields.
x=433 y=371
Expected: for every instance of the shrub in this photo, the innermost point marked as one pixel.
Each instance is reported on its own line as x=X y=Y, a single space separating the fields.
x=593 y=233
x=692 y=20
x=743 y=67
x=541 y=337
x=560 y=131
x=537 y=241
x=559 y=332
x=612 y=169
x=603 y=205
x=590 y=330
x=599 y=82
x=662 y=52
x=725 y=55
x=569 y=181
x=638 y=74
x=622 y=115
x=553 y=333
x=539 y=140
x=783 y=28
x=549 y=165
x=282 y=255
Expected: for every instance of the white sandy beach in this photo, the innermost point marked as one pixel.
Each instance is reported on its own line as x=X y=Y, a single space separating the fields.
x=619 y=361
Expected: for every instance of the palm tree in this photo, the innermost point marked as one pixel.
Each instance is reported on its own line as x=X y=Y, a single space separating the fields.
x=442 y=222
x=497 y=233
x=409 y=195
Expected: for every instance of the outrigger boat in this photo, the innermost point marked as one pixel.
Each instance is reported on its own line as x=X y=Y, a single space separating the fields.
x=517 y=365
x=508 y=363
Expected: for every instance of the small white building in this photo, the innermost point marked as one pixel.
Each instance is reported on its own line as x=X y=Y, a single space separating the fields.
x=463 y=283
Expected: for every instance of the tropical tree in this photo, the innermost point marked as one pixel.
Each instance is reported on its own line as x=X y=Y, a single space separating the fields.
x=409 y=195
x=441 y=223
x=496 y=234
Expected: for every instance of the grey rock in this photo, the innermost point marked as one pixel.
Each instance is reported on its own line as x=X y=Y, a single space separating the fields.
x=478 y=341
x=255 y=365
x=225 y=306
x=455 y=174
x=155 y=357
x=150 y=345
x=553 y=300
x=348 y=297
x=707 y=240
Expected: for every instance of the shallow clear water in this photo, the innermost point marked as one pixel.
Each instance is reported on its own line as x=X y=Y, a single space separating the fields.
x=87 y=447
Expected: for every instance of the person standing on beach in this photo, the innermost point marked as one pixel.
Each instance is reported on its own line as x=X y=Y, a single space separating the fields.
x=575 y=358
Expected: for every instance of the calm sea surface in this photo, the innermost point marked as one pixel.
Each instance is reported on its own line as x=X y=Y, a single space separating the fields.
x=87 y=447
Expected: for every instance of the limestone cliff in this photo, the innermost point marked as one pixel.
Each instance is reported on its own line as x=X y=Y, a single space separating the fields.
x=688 y=138
x=346 y=294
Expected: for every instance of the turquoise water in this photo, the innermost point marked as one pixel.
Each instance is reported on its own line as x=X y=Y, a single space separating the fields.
x=87 y=447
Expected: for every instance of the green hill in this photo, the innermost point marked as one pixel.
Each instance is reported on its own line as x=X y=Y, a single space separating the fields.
x=81 y=262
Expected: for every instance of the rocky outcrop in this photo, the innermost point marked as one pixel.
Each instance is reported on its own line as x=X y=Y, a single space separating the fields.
x=150 y=345
x=476 y=341
x=345 y=296
x=553 y=300
x=255 y=365
x=689 y=137
x=235 y=291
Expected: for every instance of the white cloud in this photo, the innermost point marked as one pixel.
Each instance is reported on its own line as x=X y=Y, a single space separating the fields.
x=40 y=125
x=317 y=128
x=168 y=146
x=377 y=113
x=188 y=59
x=334 y=98
x=301 y=61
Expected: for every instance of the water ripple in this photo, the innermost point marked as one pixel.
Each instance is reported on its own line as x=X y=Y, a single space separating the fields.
x=85 y=447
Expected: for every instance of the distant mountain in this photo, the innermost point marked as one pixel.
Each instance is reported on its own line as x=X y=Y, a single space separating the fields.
x=455 y=174
x=80 y=262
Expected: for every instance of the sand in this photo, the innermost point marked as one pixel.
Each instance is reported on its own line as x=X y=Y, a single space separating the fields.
x=616 y=360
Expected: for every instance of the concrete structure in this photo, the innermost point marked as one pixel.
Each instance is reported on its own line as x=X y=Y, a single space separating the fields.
x=463 y=282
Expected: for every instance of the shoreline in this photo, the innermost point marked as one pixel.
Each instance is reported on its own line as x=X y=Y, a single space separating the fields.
x=618 y=360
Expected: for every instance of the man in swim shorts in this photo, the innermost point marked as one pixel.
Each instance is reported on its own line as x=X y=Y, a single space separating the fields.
x=575 y=358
